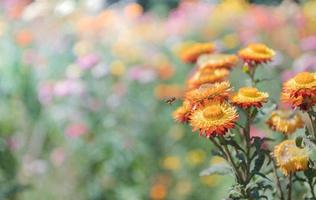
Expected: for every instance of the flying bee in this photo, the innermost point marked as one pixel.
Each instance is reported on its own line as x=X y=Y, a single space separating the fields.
x=170 y=100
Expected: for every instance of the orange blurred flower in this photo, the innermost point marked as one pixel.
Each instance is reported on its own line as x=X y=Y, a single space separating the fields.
x=191 y=51
x=205 y=76
x=290 y=158
x=249 y=96
x=256 y=54
x=133 y=10
x=163 y=91
x=165 y=71
x=217 y=61
x=23 y=37
x=214 y=118
x=158 y=191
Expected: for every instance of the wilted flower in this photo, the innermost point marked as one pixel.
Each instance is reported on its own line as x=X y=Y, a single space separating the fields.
x=290 y=158
x=285 y=122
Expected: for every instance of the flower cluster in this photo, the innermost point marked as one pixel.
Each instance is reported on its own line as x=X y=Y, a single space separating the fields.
x=212 y=107
x=209 y=100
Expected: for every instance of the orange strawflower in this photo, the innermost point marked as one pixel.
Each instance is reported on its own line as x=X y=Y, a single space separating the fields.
x=217 y=91
x=290 y=158
x=286 y=122
x=300 y=91
x=190 y=52
x=249 y=96
x=214 y=118
x=182 y=113
x=217 y=61
x=256 y=54
x=207 y=76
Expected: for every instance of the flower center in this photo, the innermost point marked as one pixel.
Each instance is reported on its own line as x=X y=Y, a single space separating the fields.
x=304 y=78
x=213 y=112
x=259 y=48
x=249 y=92
x=205 y=86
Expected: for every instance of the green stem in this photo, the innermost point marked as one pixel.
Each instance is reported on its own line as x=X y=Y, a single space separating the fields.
x=289 y=197
x=228 y=157
x=278 y=183
x=311 y=187
x=252 y=71
x=313 y=123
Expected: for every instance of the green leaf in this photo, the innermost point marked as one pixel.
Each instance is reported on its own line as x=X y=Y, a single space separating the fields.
x=8 y=163
x=234 y=144
x=299 y=142
x=307 y=131
x=220 y=169
x=259 y=162
x=262 y=175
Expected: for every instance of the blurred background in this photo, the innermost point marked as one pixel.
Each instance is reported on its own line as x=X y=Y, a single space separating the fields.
x=83 y=85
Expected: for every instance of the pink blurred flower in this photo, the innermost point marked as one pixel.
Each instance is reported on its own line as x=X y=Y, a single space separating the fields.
x=308 y=43
x=254 y=132
x=88 y=61
x=141 y=74
x=286 y=75
x=76 y=130
x=32 y=166
x=14 y=143
x=58 y=156
x=306 y=62
x=68 y=87
x=45 y=92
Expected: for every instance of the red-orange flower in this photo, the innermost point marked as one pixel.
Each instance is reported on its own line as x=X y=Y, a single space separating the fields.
x=300 y=91
x=206 y=92
x=249 y=96
x=214 y=118
x=182 y=113
x=205 y=76
x=190 y=52
x=256 y=54
x=217 y=61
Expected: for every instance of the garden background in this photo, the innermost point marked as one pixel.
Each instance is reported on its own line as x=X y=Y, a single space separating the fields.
x=84 y=84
